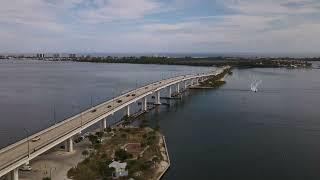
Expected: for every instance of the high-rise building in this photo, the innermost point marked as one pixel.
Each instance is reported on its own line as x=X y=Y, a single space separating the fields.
x=40 y=55
x=72 y=55
x=56 y=55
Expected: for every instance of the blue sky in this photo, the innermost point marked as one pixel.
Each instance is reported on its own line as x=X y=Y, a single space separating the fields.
x=135 y=26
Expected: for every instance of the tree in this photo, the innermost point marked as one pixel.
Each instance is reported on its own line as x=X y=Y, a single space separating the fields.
x=85 y=153
x=122 y=155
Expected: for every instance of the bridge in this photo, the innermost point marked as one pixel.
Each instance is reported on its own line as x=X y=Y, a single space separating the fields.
x=21 y=152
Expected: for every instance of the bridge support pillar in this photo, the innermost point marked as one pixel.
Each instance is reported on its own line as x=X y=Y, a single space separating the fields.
x=103 y=124
x=158 y=102
x=69 y=145
x=178 y=88
x=185 y=85
x=127 y=111
x=13 y=175
x=169 y=92
x=144 y=104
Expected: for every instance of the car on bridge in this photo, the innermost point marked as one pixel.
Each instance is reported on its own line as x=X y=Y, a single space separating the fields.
x=37 y=138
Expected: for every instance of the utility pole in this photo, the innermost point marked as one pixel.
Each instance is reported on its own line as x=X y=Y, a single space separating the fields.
x=27 y=132
x=54 y=114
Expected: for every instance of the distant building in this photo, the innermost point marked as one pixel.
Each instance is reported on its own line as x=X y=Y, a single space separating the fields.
x=72 y=55
x=40 y=55
x=56 y=55
x=120 y=169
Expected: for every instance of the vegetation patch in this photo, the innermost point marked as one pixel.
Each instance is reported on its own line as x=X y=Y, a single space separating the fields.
x=215 y=81
x=138 y=148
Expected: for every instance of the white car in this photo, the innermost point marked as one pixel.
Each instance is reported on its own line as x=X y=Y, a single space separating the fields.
x=25 y=168
x=37 y=138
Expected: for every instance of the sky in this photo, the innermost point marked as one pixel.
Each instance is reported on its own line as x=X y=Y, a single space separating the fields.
x=144 y=26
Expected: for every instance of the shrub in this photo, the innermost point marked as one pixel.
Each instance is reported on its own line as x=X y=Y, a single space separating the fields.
x=85 y=153
x=122 y=155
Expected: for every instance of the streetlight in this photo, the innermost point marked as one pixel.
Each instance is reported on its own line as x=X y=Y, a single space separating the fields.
x=27 y=132
x=54 y=114
x=113 y=94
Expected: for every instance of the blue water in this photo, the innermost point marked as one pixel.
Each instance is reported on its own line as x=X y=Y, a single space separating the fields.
x=233 y=133
x=35 y=94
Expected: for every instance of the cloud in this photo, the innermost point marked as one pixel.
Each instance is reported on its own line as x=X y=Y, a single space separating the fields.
x=31 y=14
x=158 y=25
x=113 y=10
x=273 y=7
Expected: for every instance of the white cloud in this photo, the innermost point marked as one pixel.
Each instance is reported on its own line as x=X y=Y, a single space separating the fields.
x=121 y=26
x=111 y=10
x=30 y=14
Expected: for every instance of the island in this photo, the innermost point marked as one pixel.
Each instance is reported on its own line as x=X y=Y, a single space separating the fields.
x=123 y=153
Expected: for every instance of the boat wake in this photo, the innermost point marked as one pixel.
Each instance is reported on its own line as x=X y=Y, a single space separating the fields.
x=254 y=85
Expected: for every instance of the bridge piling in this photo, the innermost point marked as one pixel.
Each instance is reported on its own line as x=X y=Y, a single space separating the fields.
x=13 y=175
x=157 y=99
x=178 y=88
x=127 y=111
x=144 y=104
x=69 y=145
x=169 y=92
x=103 y=124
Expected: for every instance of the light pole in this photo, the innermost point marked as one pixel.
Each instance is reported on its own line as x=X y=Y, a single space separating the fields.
x=54 y=114
x=27 y=132
x=113 y=93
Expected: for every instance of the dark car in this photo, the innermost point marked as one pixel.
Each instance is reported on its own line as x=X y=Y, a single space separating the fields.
x=119 y=101
x=93 y=110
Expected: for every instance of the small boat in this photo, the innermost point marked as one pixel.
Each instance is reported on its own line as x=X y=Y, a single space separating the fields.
x=254 y=85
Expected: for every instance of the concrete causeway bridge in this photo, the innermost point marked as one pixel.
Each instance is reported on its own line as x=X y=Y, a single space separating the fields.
x=21 y=152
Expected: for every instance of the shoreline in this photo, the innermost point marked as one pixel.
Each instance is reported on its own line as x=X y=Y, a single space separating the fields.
x=167 y=156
